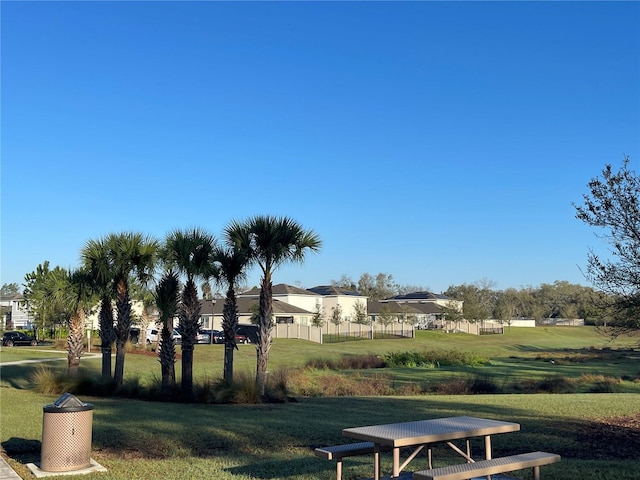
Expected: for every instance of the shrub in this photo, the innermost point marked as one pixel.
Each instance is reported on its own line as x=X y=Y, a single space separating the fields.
x=554 y=384
x=433 y=358
x=457 y=386
x=480 y=385
x=347 y=362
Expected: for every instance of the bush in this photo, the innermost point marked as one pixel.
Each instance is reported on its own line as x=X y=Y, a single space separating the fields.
x=432 y=359
x=347 y=362
x=480 y=385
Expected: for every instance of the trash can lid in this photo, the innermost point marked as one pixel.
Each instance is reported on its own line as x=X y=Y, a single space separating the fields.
x=68 y=400
x=67 y=403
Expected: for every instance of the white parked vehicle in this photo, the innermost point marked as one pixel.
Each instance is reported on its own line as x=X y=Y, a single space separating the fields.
x=153 y=335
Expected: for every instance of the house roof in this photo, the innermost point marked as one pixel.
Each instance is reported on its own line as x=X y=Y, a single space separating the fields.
x=249 y=305
x=330 y=290
x=374 y=307
x=8 y=298
x=420 y=296
x=279 y=289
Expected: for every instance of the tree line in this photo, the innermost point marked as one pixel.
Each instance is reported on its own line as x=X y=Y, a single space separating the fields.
x=121 y=266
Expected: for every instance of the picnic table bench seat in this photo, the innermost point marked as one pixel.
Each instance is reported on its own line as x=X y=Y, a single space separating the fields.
x=466 y=471
x=338 y=452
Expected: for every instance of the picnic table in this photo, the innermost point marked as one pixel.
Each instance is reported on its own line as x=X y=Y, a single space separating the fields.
x=423 y=433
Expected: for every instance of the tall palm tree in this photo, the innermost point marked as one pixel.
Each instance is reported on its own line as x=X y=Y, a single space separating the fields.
x=166 y=295
x=130 y=254
x=232 y=263
x=270 y=241
x=96 y=259
x=191 y=253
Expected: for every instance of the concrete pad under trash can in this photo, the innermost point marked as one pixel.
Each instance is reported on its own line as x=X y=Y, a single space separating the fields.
x=93 y=468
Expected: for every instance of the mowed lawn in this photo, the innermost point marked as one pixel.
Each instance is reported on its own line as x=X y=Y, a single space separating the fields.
x=149 y=440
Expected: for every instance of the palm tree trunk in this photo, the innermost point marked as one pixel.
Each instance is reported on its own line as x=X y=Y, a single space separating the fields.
x=75 y=342
x=264 y=341
x=123 y=308
x=107 y=335
x=230 y=326
x=167 y=360
x=189 y=317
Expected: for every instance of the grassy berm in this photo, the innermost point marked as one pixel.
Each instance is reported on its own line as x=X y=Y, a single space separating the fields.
x=595 y=428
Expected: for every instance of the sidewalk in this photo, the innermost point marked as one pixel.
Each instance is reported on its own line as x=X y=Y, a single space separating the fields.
x=6 y=472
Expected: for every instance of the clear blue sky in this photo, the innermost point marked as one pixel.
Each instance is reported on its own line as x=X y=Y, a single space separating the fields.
x=440 y=142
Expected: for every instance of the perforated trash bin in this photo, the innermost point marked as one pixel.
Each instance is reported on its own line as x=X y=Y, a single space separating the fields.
x=66 y=435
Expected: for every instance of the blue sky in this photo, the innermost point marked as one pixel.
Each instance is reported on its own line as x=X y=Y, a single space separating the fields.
x=440 y=142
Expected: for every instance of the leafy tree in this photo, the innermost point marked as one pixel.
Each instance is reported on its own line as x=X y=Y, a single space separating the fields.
x=166 y=296
x=128 y=254
x=232 y=262
x=506 y=306
x=360 y=313
x=336 y=316
x=451 y=312
x=613 y=206
x=386 y=316
x=376 y=287
x=10 y=289
x=379 y=287
x=36 y=285
x=346 y=282
x=317 y=319
x=478 y=298
x=190 y=252
x=269 y=242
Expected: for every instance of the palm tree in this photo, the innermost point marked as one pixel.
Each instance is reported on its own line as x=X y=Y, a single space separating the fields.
x=96 y=259
x=269 y=242
x=191 y=253
x=166 y=295
x=130 y=254
x=232 y=263
x=70 y=292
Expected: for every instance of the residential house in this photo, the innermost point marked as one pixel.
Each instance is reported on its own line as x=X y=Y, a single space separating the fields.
x=332 y=297
x=419 y=315
x=303 y=303
x=211 y=312
x=15 y=312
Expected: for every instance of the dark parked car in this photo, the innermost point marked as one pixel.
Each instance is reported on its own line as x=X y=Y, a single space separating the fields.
x=250 y=331
x=10 y=339
x=218 y=337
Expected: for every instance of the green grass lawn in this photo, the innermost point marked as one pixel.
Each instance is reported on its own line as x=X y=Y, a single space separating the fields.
x=149 y=440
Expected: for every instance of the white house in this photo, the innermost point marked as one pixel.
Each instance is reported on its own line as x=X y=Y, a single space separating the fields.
x=332 y=297
x=15 y=312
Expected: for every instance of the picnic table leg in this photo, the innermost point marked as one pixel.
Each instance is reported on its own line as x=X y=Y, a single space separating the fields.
x=487 y=450
x=487 y=447
x=339 y=469
x=376 y=461
x=396 y=462
x=536 y=473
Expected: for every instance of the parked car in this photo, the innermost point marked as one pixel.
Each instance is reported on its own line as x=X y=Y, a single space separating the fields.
x=203 y=337
x=11 y=339
x=218 y=337
x=153 y=335
x=251 y=332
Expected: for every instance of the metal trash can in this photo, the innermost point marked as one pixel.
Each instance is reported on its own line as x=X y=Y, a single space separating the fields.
x=66 y=435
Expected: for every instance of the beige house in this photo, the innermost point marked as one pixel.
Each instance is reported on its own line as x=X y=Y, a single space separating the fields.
x=347 y=300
